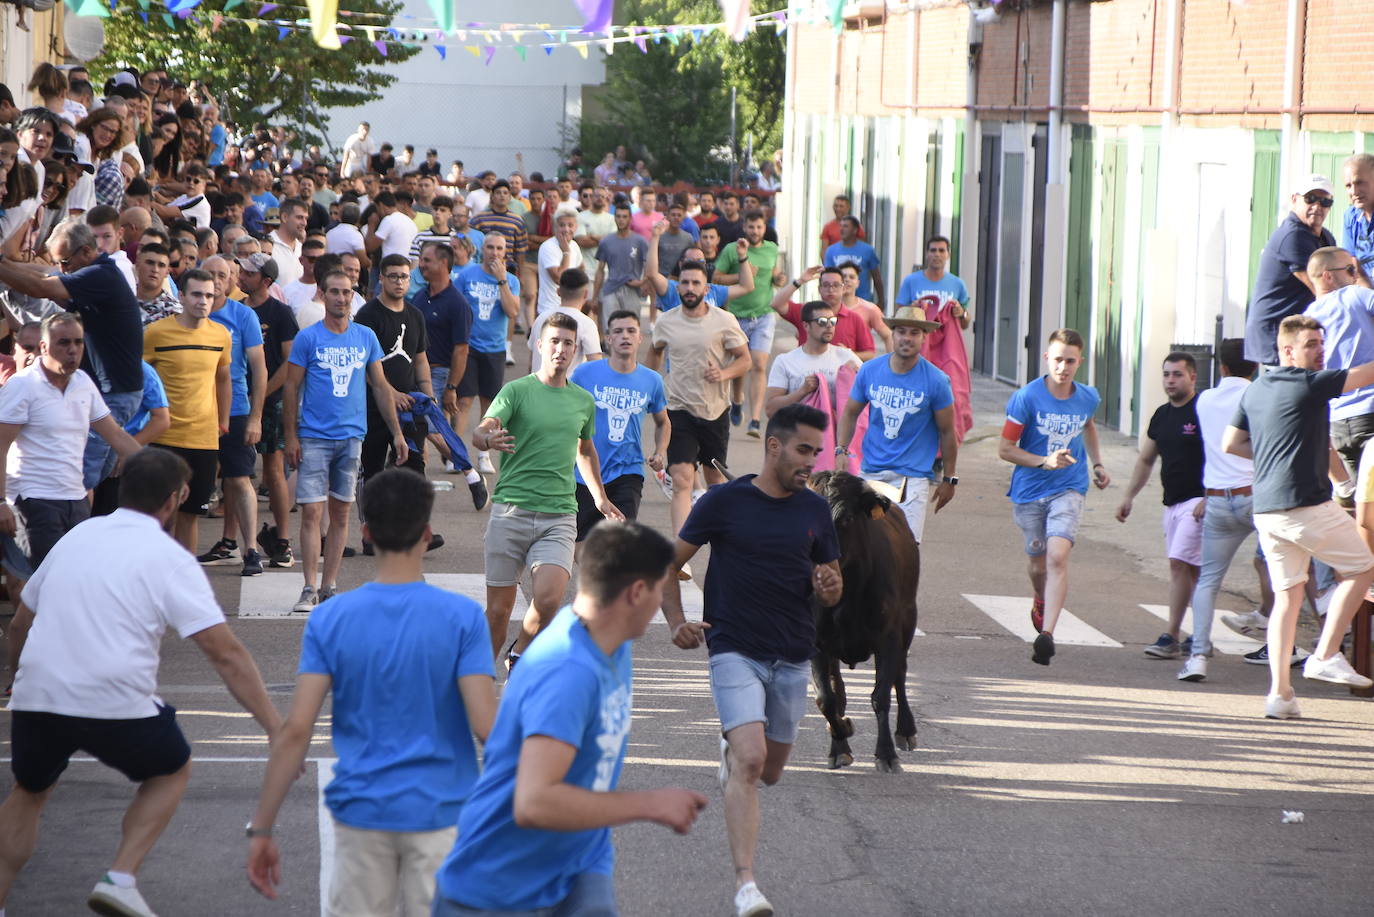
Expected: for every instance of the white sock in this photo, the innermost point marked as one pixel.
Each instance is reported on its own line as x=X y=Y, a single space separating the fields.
x=122 y=879
x=472 y=476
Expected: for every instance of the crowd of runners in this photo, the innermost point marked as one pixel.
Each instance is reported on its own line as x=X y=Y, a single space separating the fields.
x=196 y=317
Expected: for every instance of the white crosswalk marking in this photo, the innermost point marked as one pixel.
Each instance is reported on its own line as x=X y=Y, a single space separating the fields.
x=1013 y=613
x=271 y=595
x=324 y=772
x=1223 y=638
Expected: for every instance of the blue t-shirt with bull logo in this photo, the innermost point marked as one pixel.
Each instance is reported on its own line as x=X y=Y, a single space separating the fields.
x=622 y=400
x=1049 y=424
x=902 y=434
x=334 y=393
x=483 y=294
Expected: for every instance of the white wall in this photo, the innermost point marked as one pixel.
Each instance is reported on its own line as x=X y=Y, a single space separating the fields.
x=478 y=113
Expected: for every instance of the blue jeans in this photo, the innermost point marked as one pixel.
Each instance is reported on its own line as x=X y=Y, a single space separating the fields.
x=592 y=895
x=1228 y=522
x=99 y=459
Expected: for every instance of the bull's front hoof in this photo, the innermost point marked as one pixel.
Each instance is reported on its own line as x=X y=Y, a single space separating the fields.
x=843 y=759
x=885 y=766
x=906 y=743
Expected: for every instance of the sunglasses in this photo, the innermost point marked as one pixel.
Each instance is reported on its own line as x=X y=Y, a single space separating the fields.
x=830 y=322
x=1348 y=269
x=1316 y=197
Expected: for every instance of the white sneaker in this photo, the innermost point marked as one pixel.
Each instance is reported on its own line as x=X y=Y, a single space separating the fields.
x=1195 y=669
x=114 y=901
x=697 y=495
x=723 y=775
x=1335 y=670
x=308 y=600
x=450 y=468
x=1276 y=708
x=510 y=357
x=749 y=902
x=685 y=573
x=484 y=464
x=1252 y=624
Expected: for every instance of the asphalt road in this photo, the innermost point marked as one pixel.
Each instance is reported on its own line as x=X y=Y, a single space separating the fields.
x=1098 y=786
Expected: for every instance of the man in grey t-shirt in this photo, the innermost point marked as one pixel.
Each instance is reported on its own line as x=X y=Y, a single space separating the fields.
x=1282 y=423
x=620 y=269
x=674 y=240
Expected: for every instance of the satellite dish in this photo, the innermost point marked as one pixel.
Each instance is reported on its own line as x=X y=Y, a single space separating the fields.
x=84 y=35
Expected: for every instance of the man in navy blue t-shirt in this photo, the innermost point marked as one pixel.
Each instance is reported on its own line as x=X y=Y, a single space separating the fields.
x=772 y=545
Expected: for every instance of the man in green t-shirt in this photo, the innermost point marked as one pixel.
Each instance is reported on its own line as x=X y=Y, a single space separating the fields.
x=542 y=425
x=755 y=315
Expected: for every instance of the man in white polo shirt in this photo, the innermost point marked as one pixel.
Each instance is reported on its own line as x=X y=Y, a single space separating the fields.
x=86 y=649
x=46 y=412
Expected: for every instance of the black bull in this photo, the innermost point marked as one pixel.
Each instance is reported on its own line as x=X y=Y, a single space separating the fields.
x=881 y=565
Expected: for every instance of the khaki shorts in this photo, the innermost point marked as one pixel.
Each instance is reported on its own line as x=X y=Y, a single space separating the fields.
x=519 y=539
x=1291 y=538
x=377 y=872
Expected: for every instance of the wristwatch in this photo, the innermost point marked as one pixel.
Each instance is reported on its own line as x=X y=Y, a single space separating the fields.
x=251 y=832
x=952 y=481
x=450 y=388
x=841 y=450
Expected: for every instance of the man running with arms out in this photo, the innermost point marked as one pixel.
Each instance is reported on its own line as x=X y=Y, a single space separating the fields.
x=396 y=643
x=1283 y=422
x=759 y=629
x=87 y=651
x=624 y=392
x=545 y=427
x=326 y=419
x=1049 y=423
x=911 y=419
x=534 y=837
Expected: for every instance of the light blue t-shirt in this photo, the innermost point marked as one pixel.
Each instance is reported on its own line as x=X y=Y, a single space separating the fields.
x=716 y=295
x=860 y=254
x=334 y=394
x=567 y=689
x=154 y=396
x=622 y=400
x=1049 y=424
x=932 y=295
x=484 y=296
x=394 y=654
x=902 y=434
x=246 y=331
x=1347 y=317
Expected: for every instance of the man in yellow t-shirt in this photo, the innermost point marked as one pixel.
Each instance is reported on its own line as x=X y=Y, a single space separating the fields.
x=191 y=354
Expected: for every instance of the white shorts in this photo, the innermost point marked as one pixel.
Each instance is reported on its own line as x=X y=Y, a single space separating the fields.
x=1183 y=532
x=915 y=497
x=377 y=871
x=1293 y=537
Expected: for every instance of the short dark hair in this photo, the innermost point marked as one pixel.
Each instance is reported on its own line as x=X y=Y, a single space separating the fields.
x=397 y=504
x=292 y=203
x=572 y=280
x=616 y=555
x=1187 y=359
x=151 y=475
x=501 y=183
x=441 y=200
x=933 y=239
x=560 y=320
x=850 y=218
x=444 y=250
x=153 y=248
x=618 y=314
x=833 y=269
x=784 y=423
x=1068 y=337
x=753 y=215
x=323 y=280
x=101 y=215
x=405 y=197
x=730 y=196
x=194 y=275
x=694 y=265
x=385 y=199
x=808 y=312
x=396 y=260
x=1231 y=354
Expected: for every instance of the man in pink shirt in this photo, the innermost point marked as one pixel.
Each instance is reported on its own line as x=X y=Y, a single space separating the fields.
x=851 y=330
x=643 y=221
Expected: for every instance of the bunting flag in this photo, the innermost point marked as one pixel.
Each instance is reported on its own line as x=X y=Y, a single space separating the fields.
x=443 y=52
x=473 y=50
x=488 y=52
x=837 y=14
x=597 y=14
x=266 y=8
x=520 y=51
x=443 y=14
x=282 y=32
x=582 y=49
x=323 y=18
x=736 y=14
x=93 y=8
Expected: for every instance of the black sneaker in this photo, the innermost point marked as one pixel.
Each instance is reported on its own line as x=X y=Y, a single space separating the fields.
x=1261 y=656
x=1042 y=649
x=328 y=592
x=349 y=552
x=224 y=553
x=436 y=542
x=479 y=493
x=281 y=555
x=267 y=538
x=252 y=564
x=368 y=549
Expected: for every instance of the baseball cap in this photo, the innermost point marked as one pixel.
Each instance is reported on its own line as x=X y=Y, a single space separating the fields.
x=1313 y=182
x=259 y=264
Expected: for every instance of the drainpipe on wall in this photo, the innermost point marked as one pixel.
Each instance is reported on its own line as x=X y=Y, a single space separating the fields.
x=968 y=230
x=1292 y=91
x=1056 y=191
x=791 y=211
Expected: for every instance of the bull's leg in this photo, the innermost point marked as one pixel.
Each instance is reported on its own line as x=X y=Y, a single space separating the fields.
x=825 y=672
x=887 y=663
x=906 y=723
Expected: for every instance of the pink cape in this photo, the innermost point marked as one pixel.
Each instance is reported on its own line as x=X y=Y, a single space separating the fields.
x=945 y=349
x=820 y=399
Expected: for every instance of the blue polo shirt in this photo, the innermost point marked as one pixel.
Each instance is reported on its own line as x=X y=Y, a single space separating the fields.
x=1357 y=237
x=1347 y=317
x=448 y=321
x=1278 y=294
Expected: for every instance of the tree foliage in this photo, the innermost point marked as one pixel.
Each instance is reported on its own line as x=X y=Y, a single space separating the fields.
x=258 y=75
x=672 y=105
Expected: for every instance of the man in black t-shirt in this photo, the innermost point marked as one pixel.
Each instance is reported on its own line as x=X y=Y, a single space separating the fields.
x=1283 y=423
x=1173 y=436
x=772 y=544
x=257 y=273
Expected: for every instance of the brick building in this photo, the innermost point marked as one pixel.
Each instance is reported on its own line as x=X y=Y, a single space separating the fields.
x=1114 y=166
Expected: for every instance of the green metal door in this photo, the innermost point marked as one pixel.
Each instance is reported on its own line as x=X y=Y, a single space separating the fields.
x=1078 y=283
x=1149 y=219
x=1329 y=153
x=1106 y=340
x=958 y=209
x=1264 y=196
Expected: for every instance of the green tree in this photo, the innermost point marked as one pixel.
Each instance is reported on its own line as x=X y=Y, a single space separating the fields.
x=256 y=74
x=672 y=105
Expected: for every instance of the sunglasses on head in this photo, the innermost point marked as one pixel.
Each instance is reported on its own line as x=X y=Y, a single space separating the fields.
x=1317 y=197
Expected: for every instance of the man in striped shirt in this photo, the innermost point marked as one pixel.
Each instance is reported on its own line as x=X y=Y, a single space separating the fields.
x=500 y=218
x=441 y=208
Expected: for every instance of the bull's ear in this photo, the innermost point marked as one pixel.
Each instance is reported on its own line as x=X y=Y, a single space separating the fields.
x=876 y=504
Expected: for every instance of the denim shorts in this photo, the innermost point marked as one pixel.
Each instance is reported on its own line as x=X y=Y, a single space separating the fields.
x=1055 y=516
x=749 y=691
x=759 y=331
x=99 y=459
x=592 y=895
x=329 y=467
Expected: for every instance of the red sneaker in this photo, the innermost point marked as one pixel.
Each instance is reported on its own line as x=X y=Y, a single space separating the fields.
x=1038 y=614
